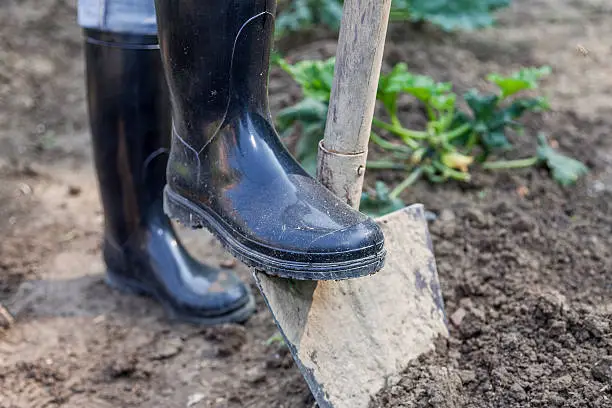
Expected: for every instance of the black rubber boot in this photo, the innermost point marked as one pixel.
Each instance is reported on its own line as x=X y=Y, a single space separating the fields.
x=130 y=122
x=228 y=170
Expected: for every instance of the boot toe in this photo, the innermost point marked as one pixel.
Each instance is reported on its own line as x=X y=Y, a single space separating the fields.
x=357 y=241
x=226 y=293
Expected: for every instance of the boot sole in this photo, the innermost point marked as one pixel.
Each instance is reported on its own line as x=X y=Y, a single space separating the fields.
x=132 y=287
x=193 y=216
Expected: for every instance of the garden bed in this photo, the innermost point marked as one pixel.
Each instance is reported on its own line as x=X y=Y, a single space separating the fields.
x=525 y=265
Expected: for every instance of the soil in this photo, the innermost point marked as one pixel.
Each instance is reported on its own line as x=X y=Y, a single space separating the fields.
x=525 y=265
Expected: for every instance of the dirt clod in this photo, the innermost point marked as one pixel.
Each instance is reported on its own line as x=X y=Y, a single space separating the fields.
x=167 y=347
x=228 y=339
x=602 y=370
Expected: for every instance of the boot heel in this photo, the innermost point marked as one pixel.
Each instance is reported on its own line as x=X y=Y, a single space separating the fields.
x=119 y=283
x=117 y=271
x=178 y=211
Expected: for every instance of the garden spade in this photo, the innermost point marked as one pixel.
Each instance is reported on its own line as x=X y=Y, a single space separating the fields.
x=351 y=338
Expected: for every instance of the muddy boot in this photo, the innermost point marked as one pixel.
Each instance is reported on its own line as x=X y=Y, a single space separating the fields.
x=228 y=170
x=130 y=124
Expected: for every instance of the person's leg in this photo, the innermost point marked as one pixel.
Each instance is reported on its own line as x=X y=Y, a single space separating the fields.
x=129 y=115
x=228 y=170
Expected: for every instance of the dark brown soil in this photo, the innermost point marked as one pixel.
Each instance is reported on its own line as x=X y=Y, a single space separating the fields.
x=525 y=265
x=527 y=290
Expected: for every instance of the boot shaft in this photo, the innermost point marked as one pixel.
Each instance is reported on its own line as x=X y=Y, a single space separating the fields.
x=216 y=55
x=129 y=113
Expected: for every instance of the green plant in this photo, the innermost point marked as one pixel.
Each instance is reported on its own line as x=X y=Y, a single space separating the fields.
x=493 y=113
x=564 y=170
x=450 y=143
x=276 y=339
x=300 y=15
x=433 y=151
x=453 y=140
x=446 y=14
x=449 y=14
x=380 y=201
x=310 y=114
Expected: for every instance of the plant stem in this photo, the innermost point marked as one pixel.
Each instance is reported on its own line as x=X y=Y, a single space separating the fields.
x=385 y=144
x=430 y=112
x=511 y=164
x=455 y=133
x=452 y=173
x=407 y=135
x=384 y=165
x=395 y=121
x=410 y=180
x=471 y=142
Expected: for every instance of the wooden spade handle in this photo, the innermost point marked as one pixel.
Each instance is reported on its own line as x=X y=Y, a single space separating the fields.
x=343 y=151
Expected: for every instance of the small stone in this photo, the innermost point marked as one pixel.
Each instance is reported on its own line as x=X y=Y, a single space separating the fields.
x=467 y=376
x=564 y=382
x=596 y=327
x=6 y=319
x=476 y=216
x=535 y=371
x=598 y=186
x=457 y=317
x=558 y=327
x=256 y=375
x=447 y=215
x=25 y=189
x=602 y=370
x=167 y=348
x=99 y=319
x=479 y=313
x=41 y=66
x=518 y=392
x=195 y=398
x=466 y=303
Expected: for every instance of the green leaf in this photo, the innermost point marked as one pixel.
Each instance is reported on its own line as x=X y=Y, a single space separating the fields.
x=453 y=14
x=330 y=14
x=490 y=118
x=526 y=78
x=387 y=91
x=437 y=96
x=447 y=14
x=495 y=140
x=379 y=203
x=305 y=14
x=315 y=77
x=521 y=105
x=311 y=114
x=482 y=106
x=444 y=102
x=421 y=87
x=488 y=122
x=308 y=110
x=564 y=170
